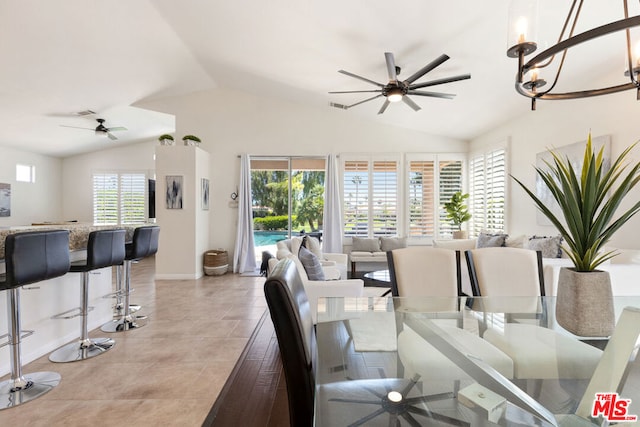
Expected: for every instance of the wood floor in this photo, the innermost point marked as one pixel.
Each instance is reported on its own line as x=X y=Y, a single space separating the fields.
x=169 y=372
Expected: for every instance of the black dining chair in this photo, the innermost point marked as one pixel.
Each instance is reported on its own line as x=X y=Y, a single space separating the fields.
x=358 y=400
x=30 y=257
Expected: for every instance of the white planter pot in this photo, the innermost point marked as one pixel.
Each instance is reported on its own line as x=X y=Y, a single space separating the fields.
x=584 y=304
x=460 y=234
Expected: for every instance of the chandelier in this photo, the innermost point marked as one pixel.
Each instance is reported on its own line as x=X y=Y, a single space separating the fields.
x=522 y=16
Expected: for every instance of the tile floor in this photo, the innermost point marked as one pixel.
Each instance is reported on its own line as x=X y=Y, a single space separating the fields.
x=167 y=373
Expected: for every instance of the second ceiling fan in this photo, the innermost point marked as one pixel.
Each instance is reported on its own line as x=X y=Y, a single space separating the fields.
x=398 y=90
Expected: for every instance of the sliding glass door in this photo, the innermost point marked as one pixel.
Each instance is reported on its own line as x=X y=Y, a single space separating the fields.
x=287 y=197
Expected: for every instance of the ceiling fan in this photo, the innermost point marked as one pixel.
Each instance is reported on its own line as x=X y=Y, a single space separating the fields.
x=101 y=129
x=397 y=90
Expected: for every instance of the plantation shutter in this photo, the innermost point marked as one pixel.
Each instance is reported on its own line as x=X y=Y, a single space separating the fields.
x=495 y=187
x=132 y=198
x=105 y=199
x=477 y=204
x=450 y=182
x=356 y=198
x=421 y=199
x=384 y=207
x=487 y=179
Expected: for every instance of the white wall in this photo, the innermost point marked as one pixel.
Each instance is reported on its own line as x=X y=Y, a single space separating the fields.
x=32 y=202
x=231 y=123
x=558 y=123
x=77 y=172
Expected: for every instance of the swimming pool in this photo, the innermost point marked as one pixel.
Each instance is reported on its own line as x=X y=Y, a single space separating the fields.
x=268 y=238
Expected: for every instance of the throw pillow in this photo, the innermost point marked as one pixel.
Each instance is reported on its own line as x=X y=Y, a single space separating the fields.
x=296 y=242
x=313 y=245
x=520 y=241
x=311 y=264
x=391 y=243
x=486 y=240
x=365 y=244
x=551 y=247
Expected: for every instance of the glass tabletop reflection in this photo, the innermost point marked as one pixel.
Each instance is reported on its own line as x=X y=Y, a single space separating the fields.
x=470 y=361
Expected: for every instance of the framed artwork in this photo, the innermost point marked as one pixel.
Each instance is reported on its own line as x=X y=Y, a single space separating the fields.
x=205 y=194
x=5 y=200
x=575 y=153
x=174 y=191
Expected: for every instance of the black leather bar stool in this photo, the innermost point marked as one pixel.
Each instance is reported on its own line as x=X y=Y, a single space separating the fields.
x=30 y=257
x=105 y=248
x=144 y=244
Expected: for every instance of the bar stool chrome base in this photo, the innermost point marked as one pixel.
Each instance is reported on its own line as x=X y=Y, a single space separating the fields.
x=26 y=388
x=118 y=310
x=127 y=323
x=82 y=350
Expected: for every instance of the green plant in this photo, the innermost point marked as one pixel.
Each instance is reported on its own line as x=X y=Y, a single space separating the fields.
x=588 y=202
x=279 y=222
x=191 y=137
x=457 y=211
x=165 y=136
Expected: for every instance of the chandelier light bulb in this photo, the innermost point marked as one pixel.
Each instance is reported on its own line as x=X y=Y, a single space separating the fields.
x=521 y=29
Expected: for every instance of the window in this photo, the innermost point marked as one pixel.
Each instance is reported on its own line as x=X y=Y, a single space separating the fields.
x=370 y=197
x=487 y=181
x=25 y=173
x=119 y=198
x=432 y=180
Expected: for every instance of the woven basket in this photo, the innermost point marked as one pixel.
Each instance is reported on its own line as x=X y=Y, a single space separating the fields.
x=216 y=262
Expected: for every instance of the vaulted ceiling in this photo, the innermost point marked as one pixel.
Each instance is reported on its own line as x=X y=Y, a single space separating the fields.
x=59 y=58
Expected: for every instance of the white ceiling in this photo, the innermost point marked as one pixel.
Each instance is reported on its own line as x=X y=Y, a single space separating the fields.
x=59 y=58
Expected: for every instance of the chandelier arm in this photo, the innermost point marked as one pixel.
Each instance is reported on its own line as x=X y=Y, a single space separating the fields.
x=555 y=80
x=564 y=28
x=577 y=94
x=581 y=38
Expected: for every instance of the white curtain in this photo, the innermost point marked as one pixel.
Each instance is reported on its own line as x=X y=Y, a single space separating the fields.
x=244 y=255
x=332 y=215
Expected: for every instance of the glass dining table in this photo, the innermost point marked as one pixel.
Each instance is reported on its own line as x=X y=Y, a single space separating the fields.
x=471 y=361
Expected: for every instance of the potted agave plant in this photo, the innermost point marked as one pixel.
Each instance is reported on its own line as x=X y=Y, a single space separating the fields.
x=589 y=200
x=458 y=213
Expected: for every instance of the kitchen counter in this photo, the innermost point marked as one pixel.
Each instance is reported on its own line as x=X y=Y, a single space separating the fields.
x=78 y=232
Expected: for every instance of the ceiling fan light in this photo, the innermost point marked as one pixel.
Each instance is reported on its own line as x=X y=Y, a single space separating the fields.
x=394 y=95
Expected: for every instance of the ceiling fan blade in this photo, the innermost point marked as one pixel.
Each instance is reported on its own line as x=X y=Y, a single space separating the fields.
x=391 y=66
x=364 y=79
x=424 y=70
x=441 y=81
x=117 y=128
x=362 y=102
x=337 y=105
x=384 y=106
x=432 y=94
x=410 y=103
x=76 y=127
x=111 y=136
x=355 y=91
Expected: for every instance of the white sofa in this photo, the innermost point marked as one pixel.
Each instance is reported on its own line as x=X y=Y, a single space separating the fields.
x=331 y=262
x=334 y=267
x=373 y=250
